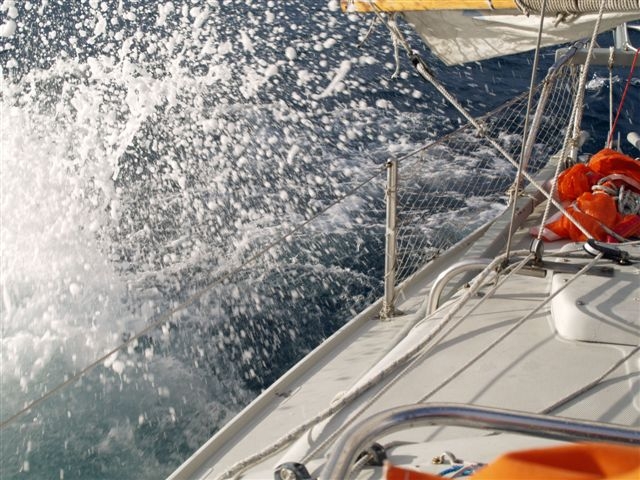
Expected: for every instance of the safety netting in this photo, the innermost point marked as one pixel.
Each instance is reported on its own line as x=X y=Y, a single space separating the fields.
x=460 y=182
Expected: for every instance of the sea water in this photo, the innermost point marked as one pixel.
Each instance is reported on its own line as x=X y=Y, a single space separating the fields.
x=153 y=159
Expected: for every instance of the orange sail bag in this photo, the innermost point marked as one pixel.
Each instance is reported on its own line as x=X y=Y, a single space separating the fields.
x=589 y=193
x=589 y=461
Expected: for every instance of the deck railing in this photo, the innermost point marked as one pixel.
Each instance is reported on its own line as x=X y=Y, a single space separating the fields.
x=361 y=436
x=444 y=191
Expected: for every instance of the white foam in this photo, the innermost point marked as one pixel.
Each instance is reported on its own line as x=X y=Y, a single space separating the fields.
x=336 y=84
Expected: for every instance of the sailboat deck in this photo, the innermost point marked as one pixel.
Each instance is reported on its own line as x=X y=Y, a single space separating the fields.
x=532 y=369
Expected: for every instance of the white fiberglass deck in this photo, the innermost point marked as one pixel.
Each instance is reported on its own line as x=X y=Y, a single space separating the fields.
x=532 y=369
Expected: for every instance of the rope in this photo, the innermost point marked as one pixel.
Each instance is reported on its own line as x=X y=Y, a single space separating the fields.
x=350 y=396
x=554 y=183
x=408 y=357
x=576 y=117
x=513 y=328
x=590 y=385
x=522 y=7
x=396 y=47
x=441 y=140
x=526 y=134
x=610 y=65
x=501 y=150
x=422 y=68
x=515 y=268
x=579 y=105
x=166 y=316
x=372 y=27
x=577 y=7
x=358 y=465
x=624 y=96
x=427 y=348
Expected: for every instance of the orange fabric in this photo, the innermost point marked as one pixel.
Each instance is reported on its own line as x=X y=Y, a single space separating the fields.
x=608 y=161
x=628 y=227
x=592 y=211
x=600 y=206
x=576 y=180
x=596 y=212
x=571 y=462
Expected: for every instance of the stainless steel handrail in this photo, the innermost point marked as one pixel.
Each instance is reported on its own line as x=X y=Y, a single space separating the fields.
x=363 y=435
x=444 y=278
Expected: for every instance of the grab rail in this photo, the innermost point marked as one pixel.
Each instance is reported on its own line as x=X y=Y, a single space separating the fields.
x=443 y=279
x=361 y=436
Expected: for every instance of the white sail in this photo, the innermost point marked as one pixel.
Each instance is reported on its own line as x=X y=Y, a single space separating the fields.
x=471 y=35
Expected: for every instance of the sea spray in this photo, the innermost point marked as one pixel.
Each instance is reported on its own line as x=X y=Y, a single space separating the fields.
x=149 y=151
x=138 y=168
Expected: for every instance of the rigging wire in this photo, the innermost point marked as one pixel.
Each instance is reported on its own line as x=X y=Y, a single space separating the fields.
x=526 y=133
x=576 y=118
x=610 y=65
x=579 y=105
x=624 y=96
x=425 y=72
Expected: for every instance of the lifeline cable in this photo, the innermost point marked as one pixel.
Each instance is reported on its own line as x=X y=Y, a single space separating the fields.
x=351 y=395
x=187 y=303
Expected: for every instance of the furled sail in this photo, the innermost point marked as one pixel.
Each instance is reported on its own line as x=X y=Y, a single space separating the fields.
x=527 y=6
x=458 y=35
x=465 y=36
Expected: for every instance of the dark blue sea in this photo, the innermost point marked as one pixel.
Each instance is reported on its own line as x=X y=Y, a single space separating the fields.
x=202 y=182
